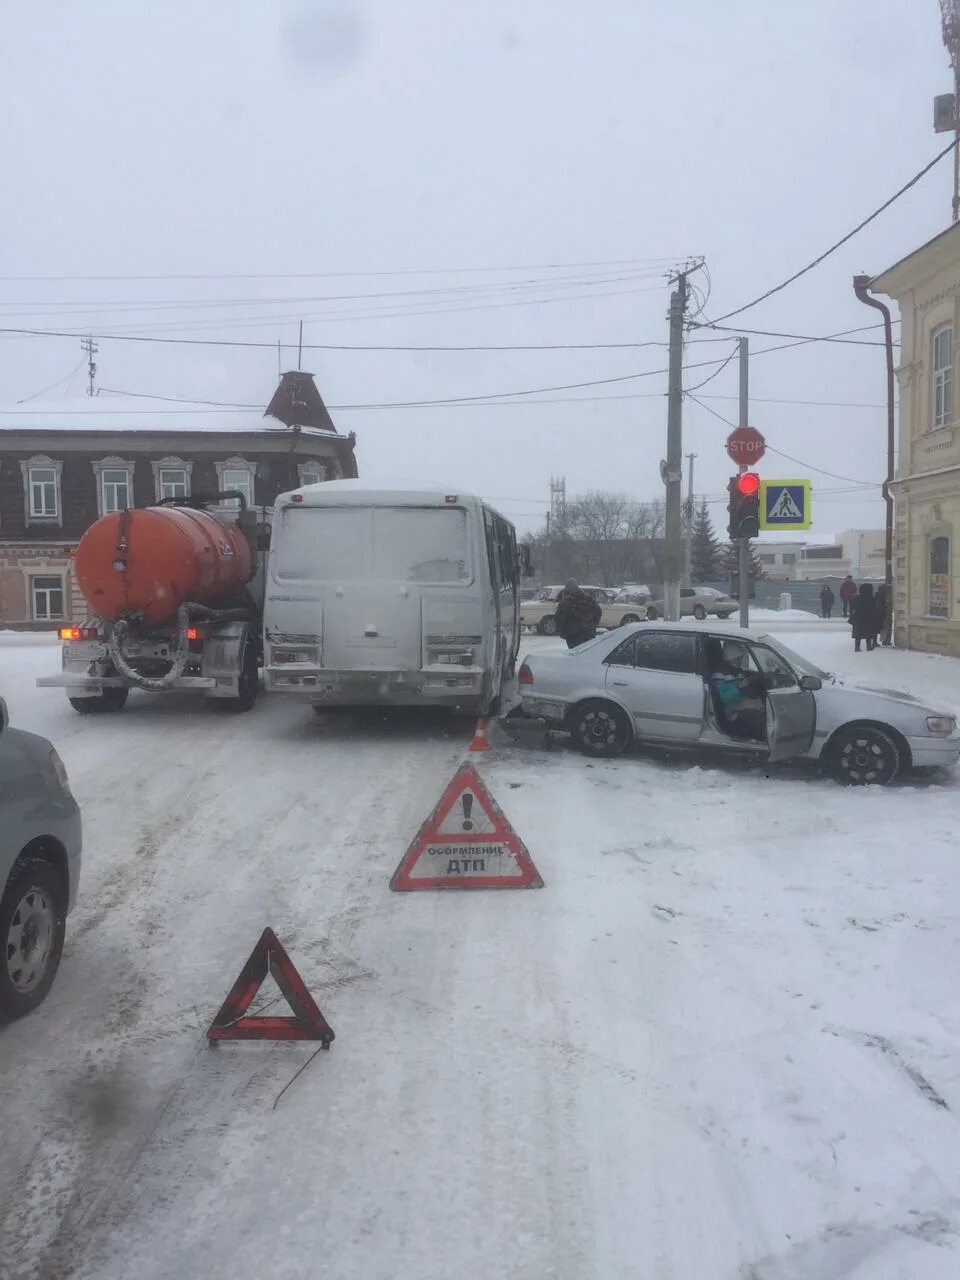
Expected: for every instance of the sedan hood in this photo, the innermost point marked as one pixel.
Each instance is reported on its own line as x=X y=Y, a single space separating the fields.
x=896 y=695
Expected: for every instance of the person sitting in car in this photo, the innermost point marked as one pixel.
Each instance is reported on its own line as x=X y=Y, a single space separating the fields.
x=577 y=615
x=738 y=693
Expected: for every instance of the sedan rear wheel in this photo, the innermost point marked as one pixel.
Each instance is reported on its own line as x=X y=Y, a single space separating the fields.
x=548 y=627
x=652 y=613
x=863 y=757
x=627 y=618
x=31 y=935
x=699 y=612
x=600 y=728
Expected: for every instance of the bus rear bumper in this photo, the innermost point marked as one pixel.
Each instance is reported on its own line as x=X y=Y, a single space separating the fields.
x=379 y=688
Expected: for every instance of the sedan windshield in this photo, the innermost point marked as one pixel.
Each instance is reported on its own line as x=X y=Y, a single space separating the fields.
x=800 y=664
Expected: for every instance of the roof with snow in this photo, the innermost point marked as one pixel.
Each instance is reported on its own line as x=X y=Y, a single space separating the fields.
x=295 y=403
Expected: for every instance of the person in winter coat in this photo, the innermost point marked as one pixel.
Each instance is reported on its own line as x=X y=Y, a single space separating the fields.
x=826 y=601
x=880 y=614
x=848 y=591
x=863 y=617
x=577 y=615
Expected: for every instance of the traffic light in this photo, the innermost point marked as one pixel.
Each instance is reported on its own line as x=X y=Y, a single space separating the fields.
x=744 y=505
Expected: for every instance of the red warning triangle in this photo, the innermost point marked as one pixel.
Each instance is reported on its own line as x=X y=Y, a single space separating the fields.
x=466 y=843
x=307 y=1023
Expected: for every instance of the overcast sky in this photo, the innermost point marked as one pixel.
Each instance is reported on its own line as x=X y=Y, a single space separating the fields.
x=403 y=156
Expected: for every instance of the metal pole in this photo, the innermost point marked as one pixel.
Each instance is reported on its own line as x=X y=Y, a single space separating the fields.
x=673 y=467
x=743 y=422
x=860 y=286
x=688 y=572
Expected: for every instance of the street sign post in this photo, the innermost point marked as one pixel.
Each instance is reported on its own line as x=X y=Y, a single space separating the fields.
x=746 y=446
x=785 y=504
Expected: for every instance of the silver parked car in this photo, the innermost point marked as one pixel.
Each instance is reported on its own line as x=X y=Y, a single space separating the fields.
x=697 y=602
x=40 y=840
x=663 y=685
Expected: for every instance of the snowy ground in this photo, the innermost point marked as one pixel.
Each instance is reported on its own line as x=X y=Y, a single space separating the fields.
x=722 y=1043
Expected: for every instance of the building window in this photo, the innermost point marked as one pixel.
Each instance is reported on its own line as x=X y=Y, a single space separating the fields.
x=171 y=478
x=789 y=557
x=47 y=596
x=115 y=489
x=238 y=474
x=114 y=484
x=938 y=604
x=173 y=482
x=41 y=489
x=312 y=472
x=767 y=557
x=943 y=376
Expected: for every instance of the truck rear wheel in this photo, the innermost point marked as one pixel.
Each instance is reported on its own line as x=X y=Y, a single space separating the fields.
x=248 y=682
x=109 y=700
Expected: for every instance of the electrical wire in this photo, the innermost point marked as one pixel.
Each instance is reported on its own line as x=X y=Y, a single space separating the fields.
x=805 y=337
x=843 y=240
x=59 y=382
x=716 y=373
x=790 y=458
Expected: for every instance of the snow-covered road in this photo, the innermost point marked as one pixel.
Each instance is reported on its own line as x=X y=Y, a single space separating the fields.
x=722 y=1041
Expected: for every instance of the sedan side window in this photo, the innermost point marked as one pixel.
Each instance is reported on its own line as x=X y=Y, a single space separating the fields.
x=622 y=656
x=775 y=671
x=667 y=651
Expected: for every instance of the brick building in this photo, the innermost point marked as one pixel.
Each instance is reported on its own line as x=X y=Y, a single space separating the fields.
x=64 y=465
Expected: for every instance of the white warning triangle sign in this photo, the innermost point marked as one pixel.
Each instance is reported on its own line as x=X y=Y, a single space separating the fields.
x=466 y=843
x=785 y=507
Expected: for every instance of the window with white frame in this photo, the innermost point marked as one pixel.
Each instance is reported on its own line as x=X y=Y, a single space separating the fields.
x=114 y=489
x=237 y=474
x=41 y=489
x=943 y=376
x=114 y=484
x=312 y=472
x=47 y=595
x=172 y=482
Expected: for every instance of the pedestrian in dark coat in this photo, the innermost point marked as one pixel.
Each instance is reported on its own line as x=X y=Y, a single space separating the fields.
x=880 y=613
x=578 y=615
x=826 y=601
x=863 y=617
x=848 y=591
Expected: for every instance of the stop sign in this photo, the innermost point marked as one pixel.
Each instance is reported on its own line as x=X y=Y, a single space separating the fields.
x=746 y=446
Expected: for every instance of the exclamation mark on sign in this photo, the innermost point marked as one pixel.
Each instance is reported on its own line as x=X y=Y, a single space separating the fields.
x=467 y=801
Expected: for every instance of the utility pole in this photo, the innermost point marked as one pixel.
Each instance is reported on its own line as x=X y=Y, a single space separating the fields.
x=688 y=573
x=672 y=469
x=743 y=422
x=89 y=347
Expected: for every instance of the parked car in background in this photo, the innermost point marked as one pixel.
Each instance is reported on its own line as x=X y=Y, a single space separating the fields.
x=697 y=602
x=541 y=615
x=633 y=593
x=40 y=841
x=654 y=685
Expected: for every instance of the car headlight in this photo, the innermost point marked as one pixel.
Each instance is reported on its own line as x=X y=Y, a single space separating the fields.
x=944 y=725
x=56 y=764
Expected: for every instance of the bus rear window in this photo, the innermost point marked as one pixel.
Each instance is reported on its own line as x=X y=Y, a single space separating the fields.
x=374 y=544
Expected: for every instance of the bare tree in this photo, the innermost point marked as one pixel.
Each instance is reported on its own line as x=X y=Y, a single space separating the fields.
x=605 y=538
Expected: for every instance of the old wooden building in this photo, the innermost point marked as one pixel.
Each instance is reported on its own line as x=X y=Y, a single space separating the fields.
x=64 y=465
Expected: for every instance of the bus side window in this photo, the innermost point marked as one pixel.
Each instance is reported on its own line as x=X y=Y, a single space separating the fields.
x=490 y=537
x=508 y=568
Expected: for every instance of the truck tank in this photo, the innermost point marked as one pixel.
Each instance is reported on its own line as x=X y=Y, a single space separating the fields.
x=148 y=561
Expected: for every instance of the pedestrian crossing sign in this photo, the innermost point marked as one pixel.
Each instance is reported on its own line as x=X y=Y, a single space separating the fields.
x=784 y=504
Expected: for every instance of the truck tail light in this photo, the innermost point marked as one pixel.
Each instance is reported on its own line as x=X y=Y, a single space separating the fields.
x=78 y=633
x=525 y=675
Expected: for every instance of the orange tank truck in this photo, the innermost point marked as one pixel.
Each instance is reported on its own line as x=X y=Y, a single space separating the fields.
x=175 y=598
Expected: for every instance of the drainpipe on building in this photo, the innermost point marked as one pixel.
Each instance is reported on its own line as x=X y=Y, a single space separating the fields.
x=860 y=286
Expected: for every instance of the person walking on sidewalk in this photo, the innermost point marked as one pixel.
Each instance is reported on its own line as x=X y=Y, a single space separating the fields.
x=848 y=592
x=863 y=617
x=826 y=601
x=577 y=615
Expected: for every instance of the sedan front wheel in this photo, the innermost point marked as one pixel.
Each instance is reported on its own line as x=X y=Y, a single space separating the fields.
x=600 y=728
x=863 y=757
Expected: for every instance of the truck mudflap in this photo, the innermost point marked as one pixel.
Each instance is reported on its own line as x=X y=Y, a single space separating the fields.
x=80 y=684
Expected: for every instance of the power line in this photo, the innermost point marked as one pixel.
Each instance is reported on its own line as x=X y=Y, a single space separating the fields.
x=799 y=461
x=849 y=236
x=716 y=373
x=667 y=261
x=805 y=337
x=59 y=382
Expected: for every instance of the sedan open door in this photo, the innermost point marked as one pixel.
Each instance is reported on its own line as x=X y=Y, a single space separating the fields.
x=791 y=708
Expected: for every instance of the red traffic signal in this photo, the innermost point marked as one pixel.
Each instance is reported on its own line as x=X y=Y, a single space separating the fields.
x=744 y=506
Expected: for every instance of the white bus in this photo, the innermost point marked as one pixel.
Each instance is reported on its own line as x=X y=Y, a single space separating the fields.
x=391 y=596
